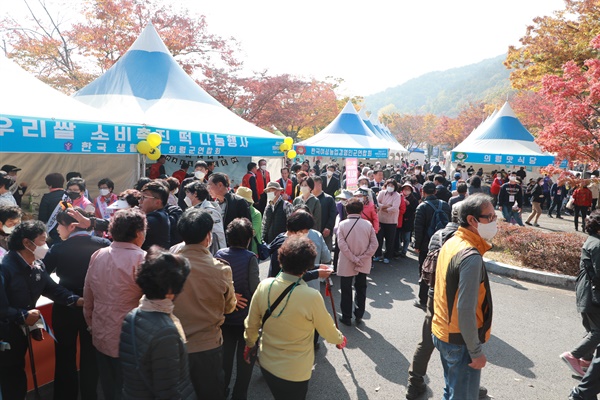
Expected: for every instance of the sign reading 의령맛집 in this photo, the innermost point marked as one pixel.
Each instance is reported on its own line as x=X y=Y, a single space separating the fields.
x=352 y=174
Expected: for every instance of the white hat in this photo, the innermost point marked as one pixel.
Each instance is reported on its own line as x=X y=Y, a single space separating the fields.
x=119 y=205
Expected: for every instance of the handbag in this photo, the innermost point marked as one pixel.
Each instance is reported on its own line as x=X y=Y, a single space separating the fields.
x=253 y=353
x=571 y=203
x=262 y=249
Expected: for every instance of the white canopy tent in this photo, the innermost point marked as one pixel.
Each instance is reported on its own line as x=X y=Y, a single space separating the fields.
x=148 y=87
x=501 y=140
x=346 y=136
x=39 y=133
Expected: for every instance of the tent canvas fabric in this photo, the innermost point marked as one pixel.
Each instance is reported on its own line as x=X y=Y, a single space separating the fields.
x=147 y=87
x=36 y=118
x=29 y=122
x=346 y=136
x=502 y=140
x=381 y=132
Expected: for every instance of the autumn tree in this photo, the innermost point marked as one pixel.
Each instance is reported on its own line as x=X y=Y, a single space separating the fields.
x=288 y=103
x=575 y=99
x=551 y=41
x=533 y=110
x=410 y=130
x=69 y=56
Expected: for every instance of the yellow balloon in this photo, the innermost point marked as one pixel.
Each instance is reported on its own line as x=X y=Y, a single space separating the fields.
x=289 y=141
x=291 y=154
x=143 y=147
x=284 y=147
x=154 y=154
x=154 y=139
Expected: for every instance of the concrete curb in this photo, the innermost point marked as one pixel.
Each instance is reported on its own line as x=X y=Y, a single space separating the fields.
x=530 y=275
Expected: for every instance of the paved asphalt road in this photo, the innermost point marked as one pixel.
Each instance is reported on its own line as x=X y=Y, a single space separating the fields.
x=532 y=325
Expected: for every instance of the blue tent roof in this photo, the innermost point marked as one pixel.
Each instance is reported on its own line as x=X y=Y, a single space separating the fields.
x=148 y=87
x=346 y=136
x=501 y=140
x=148 y=71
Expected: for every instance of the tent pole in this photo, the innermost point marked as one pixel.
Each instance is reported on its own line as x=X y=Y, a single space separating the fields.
x=141 y=166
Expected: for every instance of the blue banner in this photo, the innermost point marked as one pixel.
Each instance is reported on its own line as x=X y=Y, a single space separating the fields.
x=310 y=151
x=39 y=135
x=503 y=159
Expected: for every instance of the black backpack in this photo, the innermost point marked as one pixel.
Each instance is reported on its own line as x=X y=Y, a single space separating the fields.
x=439 y=219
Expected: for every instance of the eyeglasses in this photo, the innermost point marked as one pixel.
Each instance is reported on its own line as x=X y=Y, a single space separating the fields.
x=147 y=197
x=490 y=217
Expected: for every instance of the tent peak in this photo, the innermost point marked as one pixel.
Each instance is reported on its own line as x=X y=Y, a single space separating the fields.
x=505 y=111
x=149 y=40
x=349 y=108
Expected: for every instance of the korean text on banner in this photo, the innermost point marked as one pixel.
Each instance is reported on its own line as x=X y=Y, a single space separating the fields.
x=352 y=174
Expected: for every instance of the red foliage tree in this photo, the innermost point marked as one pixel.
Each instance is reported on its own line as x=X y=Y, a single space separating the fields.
x=575 y=99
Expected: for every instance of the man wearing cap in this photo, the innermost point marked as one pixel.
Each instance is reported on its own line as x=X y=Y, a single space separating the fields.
x=423 y=219
x=276 y=212
x=457 y=177
x=17 y=190
x=256 y=220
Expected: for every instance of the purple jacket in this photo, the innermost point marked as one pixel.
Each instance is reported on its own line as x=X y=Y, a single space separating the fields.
x=358 y=242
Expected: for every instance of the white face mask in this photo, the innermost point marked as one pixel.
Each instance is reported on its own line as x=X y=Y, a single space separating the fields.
x=187 y=201
x=512 y=178
x=364 y=187
x=40 y=251
x=104 y=192
x=329 y=173
x=263 y=167
x=199 y=175
x=8 y=230
x=270 y=196
x=304 y=189
x=487 y=231
x=390 y=189
x=406 y=193
x=175 y=192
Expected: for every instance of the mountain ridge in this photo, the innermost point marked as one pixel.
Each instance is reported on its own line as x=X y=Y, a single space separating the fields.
x=445 y=92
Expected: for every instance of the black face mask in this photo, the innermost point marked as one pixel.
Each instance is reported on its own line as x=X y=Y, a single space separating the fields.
x=73 y=195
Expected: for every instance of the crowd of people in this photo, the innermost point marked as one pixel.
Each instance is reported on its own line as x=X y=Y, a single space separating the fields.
x=159 y=284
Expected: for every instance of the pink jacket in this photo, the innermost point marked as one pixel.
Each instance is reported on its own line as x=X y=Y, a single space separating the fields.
x=358 y=242
x=110 y=292
x=390 y=215
x=370 y=215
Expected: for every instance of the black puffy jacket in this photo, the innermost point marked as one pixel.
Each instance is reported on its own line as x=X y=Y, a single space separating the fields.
x=161 y=368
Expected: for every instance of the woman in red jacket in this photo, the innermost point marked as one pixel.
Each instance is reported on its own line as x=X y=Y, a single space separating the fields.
x=368 y=211
x=495 y=189
x=583 y=203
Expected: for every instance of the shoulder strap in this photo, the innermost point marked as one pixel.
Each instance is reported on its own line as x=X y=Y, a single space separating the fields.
x=348 y=234
x=276 y=303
